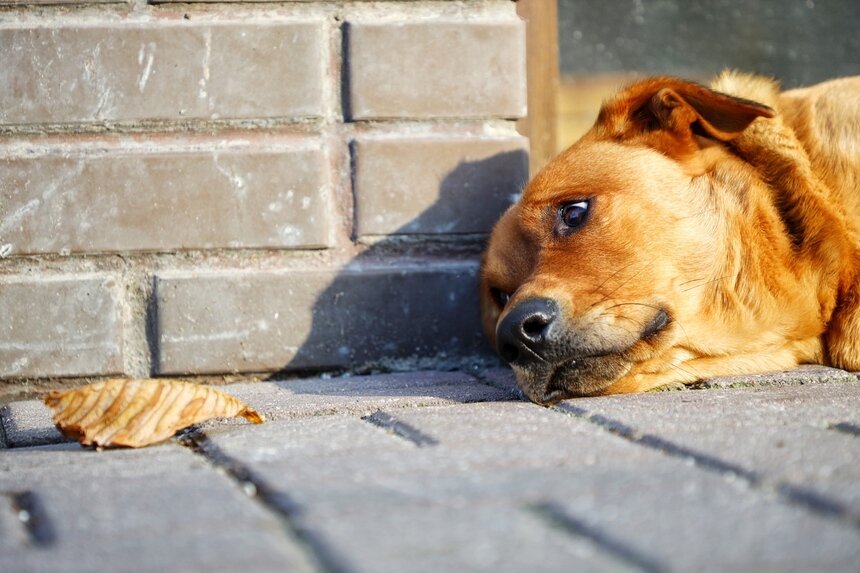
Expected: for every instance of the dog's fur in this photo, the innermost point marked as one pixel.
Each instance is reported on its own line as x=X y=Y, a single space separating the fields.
x=722 y=238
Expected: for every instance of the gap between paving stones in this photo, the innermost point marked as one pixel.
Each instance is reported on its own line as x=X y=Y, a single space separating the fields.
x=811 y=501
x=30 y=511
x=556 y=517
x=400 y=429
x=287 y=511
x=846 y=428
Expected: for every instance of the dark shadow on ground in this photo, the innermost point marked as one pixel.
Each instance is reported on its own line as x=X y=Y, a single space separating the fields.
x=410 y=300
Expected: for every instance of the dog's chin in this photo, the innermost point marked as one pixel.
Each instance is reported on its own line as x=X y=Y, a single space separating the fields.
x=547 y=383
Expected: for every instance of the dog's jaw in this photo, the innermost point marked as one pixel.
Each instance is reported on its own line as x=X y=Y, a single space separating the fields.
x=588 y=376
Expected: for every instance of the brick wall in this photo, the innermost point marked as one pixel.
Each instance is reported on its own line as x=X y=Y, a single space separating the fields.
x=213 y=188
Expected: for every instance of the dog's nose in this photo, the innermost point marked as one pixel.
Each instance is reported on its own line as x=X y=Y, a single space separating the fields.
x=521 y=337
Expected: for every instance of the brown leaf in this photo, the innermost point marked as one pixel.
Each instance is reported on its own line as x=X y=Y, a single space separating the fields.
x=136 y=413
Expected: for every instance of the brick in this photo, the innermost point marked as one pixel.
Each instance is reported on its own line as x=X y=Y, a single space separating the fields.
x=409 y=69
x=432 y=185
x=166 y=68
x=28 y=423
x=116 y=195
x=57 y=2
x=804 y=374
x=365 y=314
x=782 y=433
x=60 y=326
x=157 y=509
x=360 y=395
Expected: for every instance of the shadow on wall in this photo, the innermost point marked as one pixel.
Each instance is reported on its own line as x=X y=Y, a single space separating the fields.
x=410 y=300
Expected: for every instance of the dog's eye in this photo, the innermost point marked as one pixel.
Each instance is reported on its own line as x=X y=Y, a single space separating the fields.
x=500 y=297
x=574 y=214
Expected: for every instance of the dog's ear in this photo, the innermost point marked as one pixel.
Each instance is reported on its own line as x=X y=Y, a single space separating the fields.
x=680 y=109
x=689 y=109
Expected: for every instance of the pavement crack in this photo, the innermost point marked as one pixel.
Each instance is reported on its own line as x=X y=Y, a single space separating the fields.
x=798 y=496
x=4 y=440
x=400 y=429
x=30 y=511
x=556 y=517
x=279 y=503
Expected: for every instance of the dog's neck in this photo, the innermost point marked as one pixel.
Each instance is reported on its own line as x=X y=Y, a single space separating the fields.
x=796 y=228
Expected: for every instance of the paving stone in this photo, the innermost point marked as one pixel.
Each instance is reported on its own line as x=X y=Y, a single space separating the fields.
x=57 y=2
x=415 y=69
x=359 y=395
x=503 y=379
x=28 y=423
x=805 y=374
x=165 y=195
x=158 y=509
x=431 y=185
x=60 y=325
x=380 y=499
x=59 y=71
x=254 y=321
x=783 y=433
x=474 y=537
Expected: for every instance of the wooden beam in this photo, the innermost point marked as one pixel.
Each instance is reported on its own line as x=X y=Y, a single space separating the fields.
x=541 y=17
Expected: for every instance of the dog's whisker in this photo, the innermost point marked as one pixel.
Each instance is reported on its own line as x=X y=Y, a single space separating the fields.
x=619 y=327
x=612 y=276
x=623 y=284
x=645 y=304
x=692 y=281
x=683 y=370
x=704 y=283
x=621 y=316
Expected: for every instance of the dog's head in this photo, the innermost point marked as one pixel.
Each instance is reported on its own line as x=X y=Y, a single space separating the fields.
x=594 y=271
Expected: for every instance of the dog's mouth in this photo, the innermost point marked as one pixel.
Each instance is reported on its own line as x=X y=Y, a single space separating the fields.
x=567 y=377
x=585 y=376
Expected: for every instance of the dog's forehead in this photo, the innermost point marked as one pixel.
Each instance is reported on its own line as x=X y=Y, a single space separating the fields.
x=592 y=168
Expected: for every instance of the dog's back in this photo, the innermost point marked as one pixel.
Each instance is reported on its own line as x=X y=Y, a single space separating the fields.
x=826 y=120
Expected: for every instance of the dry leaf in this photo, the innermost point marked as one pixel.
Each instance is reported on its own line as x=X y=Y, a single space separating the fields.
x=136 y=413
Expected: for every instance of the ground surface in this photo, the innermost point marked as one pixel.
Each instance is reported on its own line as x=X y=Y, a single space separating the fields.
x=451 y=472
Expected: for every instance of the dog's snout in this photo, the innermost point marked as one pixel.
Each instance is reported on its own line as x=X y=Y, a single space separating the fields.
x=521 y=337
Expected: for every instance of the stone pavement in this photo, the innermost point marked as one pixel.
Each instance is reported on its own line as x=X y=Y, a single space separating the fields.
x=436 y=471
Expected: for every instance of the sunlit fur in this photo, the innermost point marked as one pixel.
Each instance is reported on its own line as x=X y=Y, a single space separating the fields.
x=738 y=218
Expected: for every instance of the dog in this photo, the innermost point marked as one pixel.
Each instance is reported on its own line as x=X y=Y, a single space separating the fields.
x=693 y=232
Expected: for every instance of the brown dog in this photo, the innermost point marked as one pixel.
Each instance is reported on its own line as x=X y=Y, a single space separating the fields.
x=689 y=234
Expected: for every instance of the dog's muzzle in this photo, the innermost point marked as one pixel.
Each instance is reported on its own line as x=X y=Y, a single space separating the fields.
x=555 y=358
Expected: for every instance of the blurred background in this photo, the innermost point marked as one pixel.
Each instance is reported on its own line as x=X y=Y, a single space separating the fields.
x=604 y=44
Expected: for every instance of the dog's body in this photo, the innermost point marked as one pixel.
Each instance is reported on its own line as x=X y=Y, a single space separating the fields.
x=689 y=234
